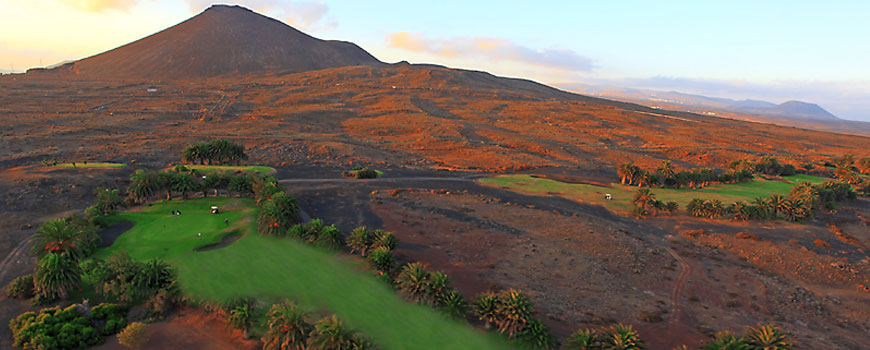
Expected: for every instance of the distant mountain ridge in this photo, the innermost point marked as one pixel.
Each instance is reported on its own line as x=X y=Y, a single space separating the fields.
x=222 y=40
x=791 y=113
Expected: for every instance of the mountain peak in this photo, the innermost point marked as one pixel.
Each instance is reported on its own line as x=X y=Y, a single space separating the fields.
x=222 y=40
x=804 y=110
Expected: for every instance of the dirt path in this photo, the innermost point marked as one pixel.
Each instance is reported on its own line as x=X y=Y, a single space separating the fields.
x=677 y=291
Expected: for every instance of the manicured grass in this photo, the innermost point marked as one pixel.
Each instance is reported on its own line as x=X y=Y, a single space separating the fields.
x=244 y=168
x=92 y=165
x=622 y=195
x=271 y=269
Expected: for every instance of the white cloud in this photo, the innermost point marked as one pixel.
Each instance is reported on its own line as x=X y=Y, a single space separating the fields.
x=495 y=49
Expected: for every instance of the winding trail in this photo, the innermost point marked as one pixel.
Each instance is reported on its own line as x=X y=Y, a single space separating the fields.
x=677 y=291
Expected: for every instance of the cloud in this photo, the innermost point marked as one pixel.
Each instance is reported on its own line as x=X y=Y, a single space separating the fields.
x=491 y=48
x=308 y=15
x=100 y=5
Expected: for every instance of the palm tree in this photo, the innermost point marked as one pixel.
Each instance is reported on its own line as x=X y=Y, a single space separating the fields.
x=666 y=172
x=623 y=337
x=413 y=282
x=60 y=237
x=584 y=339
x=360 y=240
x=777 y=204
x=514 y=310
x=288 y=328
x=55 y=276
x=331 y=238
x=763 y=206
x=643 y=200
x=795 y=209
x=725 y=341
x=695 y=207
x=454 y=305
x=240 y=317
x=143 y=184
x=437 y=287
x=485 y=306
x=155 y=274
x=184 y=184
x=672 y=207
x=382 y=259
x=767 y=337
x=385 y=239
x=331 y=334
x=740 y=211
x=624 y=171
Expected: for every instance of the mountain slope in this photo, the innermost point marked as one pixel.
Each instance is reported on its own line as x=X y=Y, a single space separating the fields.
x=222 y=40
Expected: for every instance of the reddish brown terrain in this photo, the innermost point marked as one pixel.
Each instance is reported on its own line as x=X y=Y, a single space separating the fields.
x=433 y=130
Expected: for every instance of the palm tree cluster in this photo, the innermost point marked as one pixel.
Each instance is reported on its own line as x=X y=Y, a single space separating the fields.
x=145 y=184
x=363 y=241
x=761 y=337
x=513 y=314
x=645 y=203
x=711 y=208
x=315 y=232
x=218 y=151
x=615 y=337
x=765 y=165
x=290 y=328
x=121 y=278
x=60 y=245
x=419 y=285
x=666 y=176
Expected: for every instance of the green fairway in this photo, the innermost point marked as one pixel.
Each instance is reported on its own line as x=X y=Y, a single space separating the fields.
x=90 y=165
x=622 y=195
x=243 y=168
x=271 y=268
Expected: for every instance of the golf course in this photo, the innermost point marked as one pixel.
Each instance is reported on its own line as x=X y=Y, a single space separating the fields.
x=243 y=168
x=272 y=269
x=622 y=194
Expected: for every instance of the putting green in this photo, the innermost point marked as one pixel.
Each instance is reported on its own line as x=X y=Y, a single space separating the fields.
x=271 y=269
x=243 y=168
x=90 y=165
x=622 y=195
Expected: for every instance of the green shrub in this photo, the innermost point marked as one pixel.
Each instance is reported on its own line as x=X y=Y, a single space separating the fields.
x=537 y=335
x=21 y=287
x=54 y=328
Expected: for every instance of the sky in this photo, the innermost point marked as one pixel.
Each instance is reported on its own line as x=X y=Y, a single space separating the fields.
x=768 y=50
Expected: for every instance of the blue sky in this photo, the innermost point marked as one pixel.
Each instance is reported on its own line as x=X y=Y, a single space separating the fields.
x=772 y=50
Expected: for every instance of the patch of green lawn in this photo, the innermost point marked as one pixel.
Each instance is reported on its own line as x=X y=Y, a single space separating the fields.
x=244 y=168
x=622 y=194
x=92 y=165
x=271 y=269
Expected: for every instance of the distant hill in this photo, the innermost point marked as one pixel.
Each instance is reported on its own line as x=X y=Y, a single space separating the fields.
x=790 y=113
x=801 y=110
x=222 y=40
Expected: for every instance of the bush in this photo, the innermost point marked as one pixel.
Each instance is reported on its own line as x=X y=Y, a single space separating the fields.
x=21 y=287
x=361 y=173
x=54 y=328
x=133 y=336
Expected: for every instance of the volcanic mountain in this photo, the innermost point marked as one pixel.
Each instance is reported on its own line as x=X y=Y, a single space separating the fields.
x=222 y=40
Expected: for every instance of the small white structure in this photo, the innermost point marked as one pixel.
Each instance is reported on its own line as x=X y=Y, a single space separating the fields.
x=608 y=196
x=214 y=210
x=151 y=89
